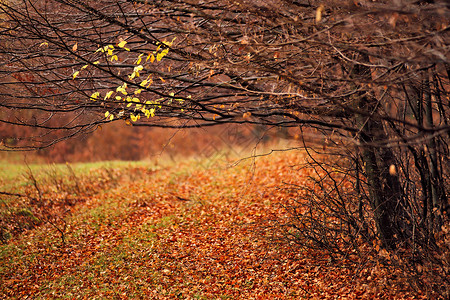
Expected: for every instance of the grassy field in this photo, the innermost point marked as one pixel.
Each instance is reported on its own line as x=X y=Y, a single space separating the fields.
x=191 y=229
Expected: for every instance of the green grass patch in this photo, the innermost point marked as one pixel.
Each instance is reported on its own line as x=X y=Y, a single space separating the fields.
x=50 y=191
x=17 y=171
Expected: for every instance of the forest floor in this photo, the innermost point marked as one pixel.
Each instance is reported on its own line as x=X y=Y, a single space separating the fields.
x=194 y=229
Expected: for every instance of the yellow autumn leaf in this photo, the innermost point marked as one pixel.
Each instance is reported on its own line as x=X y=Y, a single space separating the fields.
x=139 y=59
x=106 y=48
x=122 y=89
x=108 y=95
x=163 y=53
x=319 y=12
x=95 y=95
x=169 y=43
x=122 y=44
x=75 y=74
x=136 y=71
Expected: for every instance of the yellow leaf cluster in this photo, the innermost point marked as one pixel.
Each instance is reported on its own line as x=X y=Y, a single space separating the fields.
x=148 y=109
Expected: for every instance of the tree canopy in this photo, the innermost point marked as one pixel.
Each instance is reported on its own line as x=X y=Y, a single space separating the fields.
x=200 y=63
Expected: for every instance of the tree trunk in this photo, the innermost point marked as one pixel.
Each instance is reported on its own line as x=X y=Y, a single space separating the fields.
x=384 y=188
x=385 y=193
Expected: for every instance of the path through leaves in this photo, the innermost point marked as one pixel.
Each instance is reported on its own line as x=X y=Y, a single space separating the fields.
x=185 y=232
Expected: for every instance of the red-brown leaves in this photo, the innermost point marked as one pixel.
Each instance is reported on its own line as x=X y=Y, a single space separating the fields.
x=185 y=232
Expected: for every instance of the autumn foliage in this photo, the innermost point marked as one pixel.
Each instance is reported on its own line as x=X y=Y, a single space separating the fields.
x=362 y=86
x=183 y=231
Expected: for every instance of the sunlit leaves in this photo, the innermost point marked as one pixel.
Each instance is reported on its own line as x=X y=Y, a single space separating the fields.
x=108 y=95
x=95 y=95
x=139 y=59
x=151 y=57
x=122 y=45
x=136 y=71
x=150 y=112
x=121 y=93
x=143 y=83
x=108 y=49
x=169 y=44
x=134 y=117
x=161 y=54
x=109 y=116
x=122 y=89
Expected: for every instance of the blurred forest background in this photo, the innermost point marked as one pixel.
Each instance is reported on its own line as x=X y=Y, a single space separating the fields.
x=118 y=141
